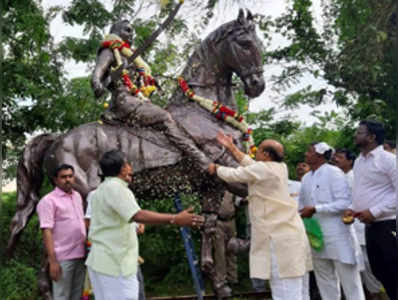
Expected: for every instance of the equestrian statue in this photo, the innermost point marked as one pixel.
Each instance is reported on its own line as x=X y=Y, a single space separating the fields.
x=169 y=148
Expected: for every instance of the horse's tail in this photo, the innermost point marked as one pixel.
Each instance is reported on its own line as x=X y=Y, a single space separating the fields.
x=29 y=181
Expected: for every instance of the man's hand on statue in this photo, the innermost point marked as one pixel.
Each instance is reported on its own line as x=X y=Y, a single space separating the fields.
x=365 y=216
x=307 y=211
x=55 y=270
x=225 y=140
x=212 y=168
x=187 y=218
x=348 y=217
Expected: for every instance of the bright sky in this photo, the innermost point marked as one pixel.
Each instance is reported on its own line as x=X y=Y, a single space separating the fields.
x=225 y=11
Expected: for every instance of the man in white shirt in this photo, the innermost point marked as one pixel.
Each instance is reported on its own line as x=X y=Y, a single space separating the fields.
x=325 y=195
x=374 y=202
x=344 y=159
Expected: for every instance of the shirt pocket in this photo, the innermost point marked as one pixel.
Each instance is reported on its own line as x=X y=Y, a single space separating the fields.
x=62 y=214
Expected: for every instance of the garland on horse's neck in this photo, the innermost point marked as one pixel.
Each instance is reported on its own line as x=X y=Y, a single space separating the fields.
x=221 y=111
x=224 y=113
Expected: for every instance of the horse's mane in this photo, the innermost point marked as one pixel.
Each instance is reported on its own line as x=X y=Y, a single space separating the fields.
x=226 y=29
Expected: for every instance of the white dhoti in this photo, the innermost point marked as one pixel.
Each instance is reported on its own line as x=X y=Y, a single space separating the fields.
x=108 y=287
x=293 y=288
x=331 y=273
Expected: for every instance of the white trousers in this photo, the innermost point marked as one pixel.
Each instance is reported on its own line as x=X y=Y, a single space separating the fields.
x=108 y=287
x=330 y=274
x=294 y=288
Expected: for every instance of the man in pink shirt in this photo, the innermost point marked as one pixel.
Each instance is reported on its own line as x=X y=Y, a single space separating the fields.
x=62 y=221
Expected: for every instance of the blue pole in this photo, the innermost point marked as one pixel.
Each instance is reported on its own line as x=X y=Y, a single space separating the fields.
x=193 y=261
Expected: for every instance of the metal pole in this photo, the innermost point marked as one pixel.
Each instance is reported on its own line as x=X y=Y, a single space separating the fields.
x=193 y=261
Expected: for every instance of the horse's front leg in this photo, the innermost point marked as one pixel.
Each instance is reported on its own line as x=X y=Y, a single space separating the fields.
x=211 y=201
x=211 y=197
x=207 y=261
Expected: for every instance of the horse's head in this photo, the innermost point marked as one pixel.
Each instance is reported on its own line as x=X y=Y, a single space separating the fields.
x=238 y=49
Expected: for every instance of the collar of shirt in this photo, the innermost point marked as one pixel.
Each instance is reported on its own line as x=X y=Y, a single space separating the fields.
x=319 y=170
x=61 y=193
x=376 y=151
x=117 y=179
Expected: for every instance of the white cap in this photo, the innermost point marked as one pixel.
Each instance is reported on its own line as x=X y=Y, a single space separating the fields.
x=322 y=147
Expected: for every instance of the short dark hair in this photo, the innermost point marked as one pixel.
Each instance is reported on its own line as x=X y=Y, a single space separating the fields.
x=349 y=155
x=112 y=162
x=376 y=128
x=115 y=28
x=391 y=143
x=61 y=168
x=275 y=155
x=327 y=154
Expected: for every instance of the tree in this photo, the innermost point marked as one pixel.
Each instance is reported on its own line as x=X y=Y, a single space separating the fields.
x=31 y=72
x=353 y=52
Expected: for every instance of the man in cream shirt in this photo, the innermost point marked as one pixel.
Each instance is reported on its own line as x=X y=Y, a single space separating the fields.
x=279 y=248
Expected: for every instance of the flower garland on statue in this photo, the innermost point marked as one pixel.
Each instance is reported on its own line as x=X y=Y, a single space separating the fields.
x=147 y=82
x=224 y=113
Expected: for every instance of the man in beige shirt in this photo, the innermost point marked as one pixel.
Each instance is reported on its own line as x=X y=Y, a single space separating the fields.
x=279 y=248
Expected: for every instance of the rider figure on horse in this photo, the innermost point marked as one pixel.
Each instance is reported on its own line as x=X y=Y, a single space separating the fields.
x=129 y=104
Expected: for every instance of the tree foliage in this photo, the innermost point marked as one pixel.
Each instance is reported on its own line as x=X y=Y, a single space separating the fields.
x=354 y=51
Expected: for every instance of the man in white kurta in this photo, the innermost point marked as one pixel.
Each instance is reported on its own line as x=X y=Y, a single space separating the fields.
x=324 y=195
x=279 y=248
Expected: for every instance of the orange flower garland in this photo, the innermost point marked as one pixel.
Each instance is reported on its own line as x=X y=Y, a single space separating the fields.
x=224 y=113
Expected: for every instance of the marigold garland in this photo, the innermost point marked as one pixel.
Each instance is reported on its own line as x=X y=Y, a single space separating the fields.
x=223 y=112
x=119 y=47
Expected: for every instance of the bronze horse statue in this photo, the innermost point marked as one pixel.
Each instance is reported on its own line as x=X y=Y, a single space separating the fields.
x=160 y=168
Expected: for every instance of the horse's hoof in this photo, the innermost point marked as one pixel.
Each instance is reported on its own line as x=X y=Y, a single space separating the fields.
x=237 y=246
x=224 y=292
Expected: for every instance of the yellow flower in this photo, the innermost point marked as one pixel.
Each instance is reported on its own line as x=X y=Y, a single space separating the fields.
x=148 y=90
x=106 y=105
